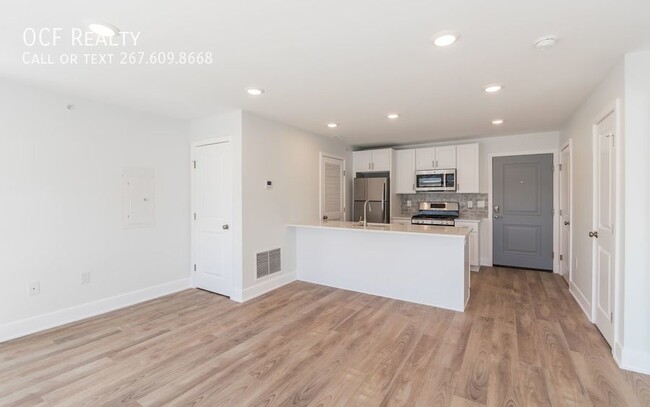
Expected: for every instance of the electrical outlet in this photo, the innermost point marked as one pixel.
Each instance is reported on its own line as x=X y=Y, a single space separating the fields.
x=85 y=277
x=409 y=203
x=470 y=204
x=34 y=288
x=480 y=204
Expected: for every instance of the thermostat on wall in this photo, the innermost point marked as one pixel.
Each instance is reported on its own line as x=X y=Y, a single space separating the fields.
x=269 y=184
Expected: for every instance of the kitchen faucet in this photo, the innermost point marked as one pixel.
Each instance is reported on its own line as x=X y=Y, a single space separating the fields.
x=365 y=214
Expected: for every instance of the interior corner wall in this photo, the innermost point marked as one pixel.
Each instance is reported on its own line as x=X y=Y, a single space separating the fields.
x=579 y=129
x=61 y=207
x=228 y=125
x=290 y=158
x=636 y=286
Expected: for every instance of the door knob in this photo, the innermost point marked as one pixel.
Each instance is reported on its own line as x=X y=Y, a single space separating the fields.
x=496 y=208
x=593 y=234
x=225 y=227
x=325 y=217
x=566 y=223
x=496 y=216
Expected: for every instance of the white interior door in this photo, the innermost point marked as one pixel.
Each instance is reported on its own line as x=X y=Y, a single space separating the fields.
x=603 y=233
x=212 y=236
x=565 y=213
x=332 y=188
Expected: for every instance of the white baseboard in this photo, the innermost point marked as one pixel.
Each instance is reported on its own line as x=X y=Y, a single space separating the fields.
x=634 y=360
x=39 y=323
x=580 y=298
x=617 y=352
x=262 y=288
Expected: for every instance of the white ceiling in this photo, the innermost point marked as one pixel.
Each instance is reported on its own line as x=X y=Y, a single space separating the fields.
x=350 y=62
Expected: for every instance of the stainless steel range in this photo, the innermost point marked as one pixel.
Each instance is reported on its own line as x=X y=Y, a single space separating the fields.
x=437 y=213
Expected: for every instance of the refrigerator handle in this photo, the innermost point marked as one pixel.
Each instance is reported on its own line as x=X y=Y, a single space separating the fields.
x=383 y=203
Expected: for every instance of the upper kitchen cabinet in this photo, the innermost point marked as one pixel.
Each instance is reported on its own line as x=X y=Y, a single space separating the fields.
x=467 y=168
x=405 y=171
x=372 y=160
x=435 y=158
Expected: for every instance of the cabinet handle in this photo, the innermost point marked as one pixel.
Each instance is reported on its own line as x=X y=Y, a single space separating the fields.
x=433 y=163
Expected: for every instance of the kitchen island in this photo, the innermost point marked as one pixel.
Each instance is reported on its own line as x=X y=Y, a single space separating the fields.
x=421 y=264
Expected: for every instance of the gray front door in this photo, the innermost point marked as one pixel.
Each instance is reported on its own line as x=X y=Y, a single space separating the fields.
x=523 y=211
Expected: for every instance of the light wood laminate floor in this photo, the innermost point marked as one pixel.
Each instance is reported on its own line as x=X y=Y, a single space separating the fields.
x=523 y=341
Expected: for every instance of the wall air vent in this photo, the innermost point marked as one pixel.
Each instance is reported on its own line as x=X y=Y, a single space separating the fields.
x=268 y=263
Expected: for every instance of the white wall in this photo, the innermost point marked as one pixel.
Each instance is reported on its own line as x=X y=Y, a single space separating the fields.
x=580 y=130
x=290 y=158
x=61 y=204
x=636 y=338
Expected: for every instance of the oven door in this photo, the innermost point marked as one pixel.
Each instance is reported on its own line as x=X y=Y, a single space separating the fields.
x=429 y=180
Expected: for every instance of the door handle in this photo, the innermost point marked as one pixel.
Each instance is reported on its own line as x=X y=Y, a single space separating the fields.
x=225 y=227
x=324 y=217
x=593 y=234
x=567 y=223
x=496 y=208
x=496 y=216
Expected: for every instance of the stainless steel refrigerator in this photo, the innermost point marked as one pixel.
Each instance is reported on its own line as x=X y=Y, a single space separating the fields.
x=375 y=190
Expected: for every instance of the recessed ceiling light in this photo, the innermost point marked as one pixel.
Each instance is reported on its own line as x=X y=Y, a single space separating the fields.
x=444 y=39
x=497 y=122
x=393 y=116
x=493 y=88
x=332 y=125
x=103 y=29
x=546 y=42
x=254 y=91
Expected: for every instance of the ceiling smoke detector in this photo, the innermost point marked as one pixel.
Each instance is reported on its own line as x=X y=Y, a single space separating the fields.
x=546 y=42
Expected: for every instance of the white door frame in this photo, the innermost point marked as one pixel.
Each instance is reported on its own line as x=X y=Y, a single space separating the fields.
x=556 y=202
x=194 y=145
x=568 y=145
x=615 y=109
x=322 y=155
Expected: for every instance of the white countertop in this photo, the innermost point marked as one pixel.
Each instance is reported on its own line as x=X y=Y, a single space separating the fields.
x=389 y=228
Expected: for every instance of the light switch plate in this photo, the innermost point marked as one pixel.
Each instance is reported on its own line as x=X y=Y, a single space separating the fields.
x=470 y=204
x=409 y=203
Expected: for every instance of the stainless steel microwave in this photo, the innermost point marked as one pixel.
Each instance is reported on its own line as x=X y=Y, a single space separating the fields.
x=435 y=180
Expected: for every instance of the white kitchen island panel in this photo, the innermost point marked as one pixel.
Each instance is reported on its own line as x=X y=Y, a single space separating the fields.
x=430 y=268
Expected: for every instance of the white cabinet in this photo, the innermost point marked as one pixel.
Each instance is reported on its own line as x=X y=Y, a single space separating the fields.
x=428 y=158
x=467 y=168
x=372 y=160
x=362 y=161
x=446 y=157
x=474 y=242
x=425 y=158
x=381 y=159
x=405 y=171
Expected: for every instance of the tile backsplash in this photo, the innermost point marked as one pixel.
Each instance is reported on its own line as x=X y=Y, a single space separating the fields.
x=463 y=199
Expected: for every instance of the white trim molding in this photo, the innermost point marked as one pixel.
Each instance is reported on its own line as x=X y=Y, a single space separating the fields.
x=636 y=361
x=263 y=287
x=581 y=299
x=76 y=313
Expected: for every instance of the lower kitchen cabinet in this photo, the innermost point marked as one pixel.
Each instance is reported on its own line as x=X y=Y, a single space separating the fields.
x=474 y=242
